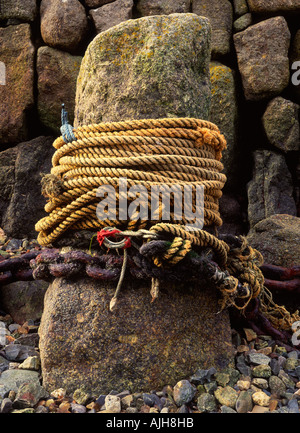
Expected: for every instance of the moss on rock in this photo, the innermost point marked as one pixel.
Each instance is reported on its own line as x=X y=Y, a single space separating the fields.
x=151 y=67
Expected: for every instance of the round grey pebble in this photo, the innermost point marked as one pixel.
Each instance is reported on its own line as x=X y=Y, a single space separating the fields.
x=152 y=400
x=183 y=392
x=77 y=408
x=293 y=406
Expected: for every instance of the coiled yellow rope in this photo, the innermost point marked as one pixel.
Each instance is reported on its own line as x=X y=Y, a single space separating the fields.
x=146 y=152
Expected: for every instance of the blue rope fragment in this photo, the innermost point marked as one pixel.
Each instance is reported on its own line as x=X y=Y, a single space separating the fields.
x=66 y=129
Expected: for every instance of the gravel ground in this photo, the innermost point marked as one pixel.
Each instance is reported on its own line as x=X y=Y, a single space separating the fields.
x=265 y=378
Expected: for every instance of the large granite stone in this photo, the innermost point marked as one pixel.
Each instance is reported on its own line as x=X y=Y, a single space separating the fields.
x=295 y=66
x=111 y=14
x=277 y=238
x=139 y=346
x=162 y=7
x=132 y=71
x=63 y=24
x=270 y=191
x=23 y=300
x=97 y=3
x=219 y=13
x=21 y=202
x=152 y=67
x=281 y=124
x=57 y=73
x=16 y=96
x=262 y=54
x=274 y=6
x=24 y=10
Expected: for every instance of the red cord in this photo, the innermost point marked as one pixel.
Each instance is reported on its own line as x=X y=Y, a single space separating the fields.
x=102 y=234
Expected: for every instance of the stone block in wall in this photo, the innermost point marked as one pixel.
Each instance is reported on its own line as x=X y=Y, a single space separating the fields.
x=111 y=14
x=162 y=7
x=7 y=175
x=23 y=300
x=295 y=66
x=24 y=10
x=242 y=22
x=262 y=54
x=295 y=47
x=270 y=191
x=57 y=73
x=21 y=202
x=96 y=3
x=277 y=238
x=263 y=6
x=281 y=124
x=16 y=94
x=240 y=7
x=142 y=68
x=63 y=24
x=224 y=113
x=219 y=13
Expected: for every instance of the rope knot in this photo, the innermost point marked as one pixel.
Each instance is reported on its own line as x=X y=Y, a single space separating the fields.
x=66 y=129
x=104 y=234
x=177 y=250
x=52 y=185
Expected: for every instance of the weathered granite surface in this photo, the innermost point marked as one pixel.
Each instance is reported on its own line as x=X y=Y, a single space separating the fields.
x=262 y=55
x=16 y=91
x=277 y=238
x=270 y=190
x=141 y=345
x=152 y=67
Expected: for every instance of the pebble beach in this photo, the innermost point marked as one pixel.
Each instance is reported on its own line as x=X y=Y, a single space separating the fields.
x=265 y=378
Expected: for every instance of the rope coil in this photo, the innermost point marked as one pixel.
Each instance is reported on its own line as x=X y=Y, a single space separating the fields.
x=181 y=151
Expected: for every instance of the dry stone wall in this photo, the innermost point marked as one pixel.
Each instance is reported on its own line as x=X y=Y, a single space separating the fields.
x=255 y=85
